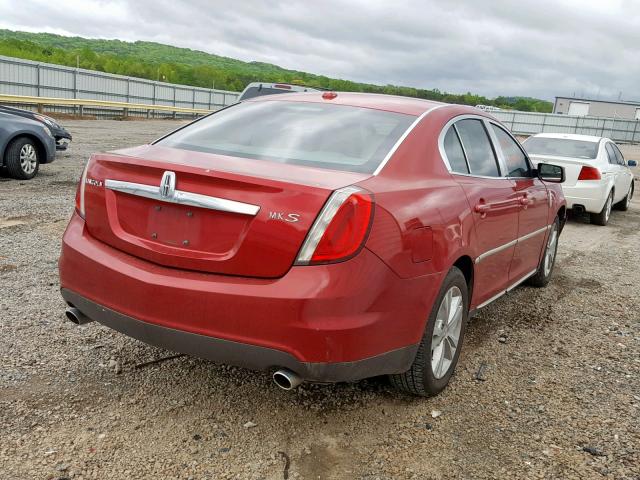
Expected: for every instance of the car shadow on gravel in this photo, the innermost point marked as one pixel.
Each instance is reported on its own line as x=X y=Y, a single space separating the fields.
x=528 y=308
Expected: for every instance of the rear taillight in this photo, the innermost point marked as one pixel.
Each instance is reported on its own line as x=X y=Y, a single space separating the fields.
x=341 y=228
x=80 y=191
x=589 y=173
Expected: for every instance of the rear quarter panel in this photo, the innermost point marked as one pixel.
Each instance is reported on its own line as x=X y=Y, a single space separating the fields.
x=418 y=202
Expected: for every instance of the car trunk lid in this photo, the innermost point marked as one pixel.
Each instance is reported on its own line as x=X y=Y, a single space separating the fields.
x=206 y=212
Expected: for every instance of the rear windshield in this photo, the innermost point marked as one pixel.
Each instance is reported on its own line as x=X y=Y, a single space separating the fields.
x=561 y=147
x=335 y=137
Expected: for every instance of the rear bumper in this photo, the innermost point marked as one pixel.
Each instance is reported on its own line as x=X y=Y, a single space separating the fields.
x=62 y=139
x=245 y=355
x=61 y=145
x=339 y=322
x=589 y=194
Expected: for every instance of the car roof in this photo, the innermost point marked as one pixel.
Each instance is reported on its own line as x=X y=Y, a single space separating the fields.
x=570 y=136
x=376 y=101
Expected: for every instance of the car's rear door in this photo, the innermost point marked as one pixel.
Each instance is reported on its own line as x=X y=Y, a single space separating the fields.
x=625 y=176
x=473 y=163
x=614 y=169
x=533 y=199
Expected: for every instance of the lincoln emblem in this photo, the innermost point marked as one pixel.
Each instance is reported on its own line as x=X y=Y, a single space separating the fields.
x=167 y=184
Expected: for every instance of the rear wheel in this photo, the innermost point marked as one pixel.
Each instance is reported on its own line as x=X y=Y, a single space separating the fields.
x=439 y=349
x=602 y=218
x=21 y=158
x=626 y=201
x=545 y=269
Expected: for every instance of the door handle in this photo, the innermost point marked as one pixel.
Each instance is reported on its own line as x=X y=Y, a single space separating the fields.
x=482 y=208
x=524 y=201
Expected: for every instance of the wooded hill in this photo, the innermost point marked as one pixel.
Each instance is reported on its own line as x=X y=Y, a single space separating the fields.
x=156 y=61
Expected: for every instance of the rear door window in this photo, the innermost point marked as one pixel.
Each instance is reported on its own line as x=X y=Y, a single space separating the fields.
x=477 y=146
x=618 y=154
x=515 y=159
x=454 y=152
x=611 y=154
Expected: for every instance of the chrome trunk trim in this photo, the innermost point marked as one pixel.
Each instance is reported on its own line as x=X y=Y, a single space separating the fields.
x=182 y=198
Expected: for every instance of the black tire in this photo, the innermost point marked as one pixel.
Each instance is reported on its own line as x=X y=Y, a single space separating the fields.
x=17 y=168
x=543 y=275
x=625 y=203
x=602 y=218
x=420 y=379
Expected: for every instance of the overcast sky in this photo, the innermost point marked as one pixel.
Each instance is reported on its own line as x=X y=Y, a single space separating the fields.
x=536 y=48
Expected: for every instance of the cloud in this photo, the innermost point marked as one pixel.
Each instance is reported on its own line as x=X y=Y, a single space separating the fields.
x=537 y=48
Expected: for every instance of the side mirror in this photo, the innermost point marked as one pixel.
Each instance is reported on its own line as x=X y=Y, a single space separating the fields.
x=550 y=173
x=632 y=163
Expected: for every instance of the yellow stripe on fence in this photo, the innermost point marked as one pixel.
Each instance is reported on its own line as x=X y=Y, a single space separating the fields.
x=97 y=103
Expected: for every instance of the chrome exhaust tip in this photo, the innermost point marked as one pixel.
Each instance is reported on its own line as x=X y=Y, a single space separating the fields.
x=286 y=379
x=76 y=316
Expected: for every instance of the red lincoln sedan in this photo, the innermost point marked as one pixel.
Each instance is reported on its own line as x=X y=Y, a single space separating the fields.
x=324 y=236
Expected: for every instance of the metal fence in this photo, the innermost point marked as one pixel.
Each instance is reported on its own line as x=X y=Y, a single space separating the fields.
x=37 y=79
x=24 y=77
x=529 y=123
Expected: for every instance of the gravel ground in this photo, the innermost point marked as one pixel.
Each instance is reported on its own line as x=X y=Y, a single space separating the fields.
x=560 y=396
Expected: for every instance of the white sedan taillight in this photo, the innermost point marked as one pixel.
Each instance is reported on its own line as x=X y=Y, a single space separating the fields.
x=589 y=173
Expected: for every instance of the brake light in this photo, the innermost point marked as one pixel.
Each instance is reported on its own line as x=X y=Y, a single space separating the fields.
x=80 y=191
x=589 y=173
x=341 y=228
x=280 y=85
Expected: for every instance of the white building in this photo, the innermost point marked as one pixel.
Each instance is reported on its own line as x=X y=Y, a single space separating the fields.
x=597 y=108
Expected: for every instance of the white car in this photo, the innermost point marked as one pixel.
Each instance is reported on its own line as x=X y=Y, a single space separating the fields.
x=597 y=175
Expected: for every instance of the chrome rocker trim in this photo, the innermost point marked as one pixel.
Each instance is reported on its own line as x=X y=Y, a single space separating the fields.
x=499 y=249
x=508 y=289
x=493 y=251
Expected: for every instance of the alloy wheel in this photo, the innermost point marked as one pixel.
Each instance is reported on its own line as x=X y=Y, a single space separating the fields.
x=607 y=212
x=550 y=253
x=446 y=333
x=28 y=158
